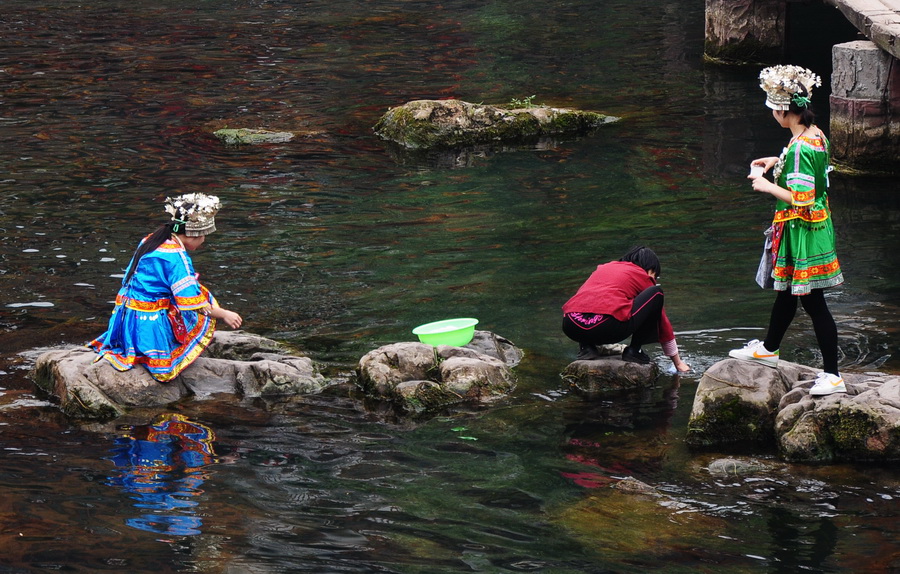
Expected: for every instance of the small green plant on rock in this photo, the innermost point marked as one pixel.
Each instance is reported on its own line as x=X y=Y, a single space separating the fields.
x=527 y=102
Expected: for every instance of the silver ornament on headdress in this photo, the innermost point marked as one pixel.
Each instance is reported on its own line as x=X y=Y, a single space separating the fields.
x=787 y=83
x=194 y=213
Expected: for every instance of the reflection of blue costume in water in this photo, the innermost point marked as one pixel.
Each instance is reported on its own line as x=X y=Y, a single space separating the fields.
x=162 y=466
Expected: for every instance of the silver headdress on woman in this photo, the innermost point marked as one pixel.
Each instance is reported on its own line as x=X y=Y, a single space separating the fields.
x=786 y=84
x=194 y=214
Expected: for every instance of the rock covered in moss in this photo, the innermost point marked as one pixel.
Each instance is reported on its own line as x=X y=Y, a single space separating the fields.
x=860 y=425
x=252 y=136
x=425 y=124
x=93 y=390
x=420 y=379
x=736 y=401
x=749 y=403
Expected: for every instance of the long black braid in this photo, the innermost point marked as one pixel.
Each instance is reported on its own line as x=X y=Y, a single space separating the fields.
x=162 y=234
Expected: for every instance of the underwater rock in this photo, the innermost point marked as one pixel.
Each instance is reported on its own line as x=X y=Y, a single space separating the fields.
x=419 y=379
x=425 y=124
x=93 y=390
x=634 y=486
x=860 y=425
x=252 y=136
x=736 y=401
x=724 y=467
x=608 y=374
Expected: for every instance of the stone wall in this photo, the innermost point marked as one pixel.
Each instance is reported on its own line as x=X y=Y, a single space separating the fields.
x=745 y=31
x=865 y=108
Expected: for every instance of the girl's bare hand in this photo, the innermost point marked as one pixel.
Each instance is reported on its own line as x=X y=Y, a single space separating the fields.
x=231 y=318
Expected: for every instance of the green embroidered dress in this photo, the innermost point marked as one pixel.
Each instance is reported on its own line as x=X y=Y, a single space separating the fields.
x=803 y=240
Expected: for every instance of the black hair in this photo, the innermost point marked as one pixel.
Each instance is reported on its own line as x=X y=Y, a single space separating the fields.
x=807 y=116
x=162 y=234
x=643 y=257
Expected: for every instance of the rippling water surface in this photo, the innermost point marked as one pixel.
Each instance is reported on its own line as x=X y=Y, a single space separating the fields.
x=338 y=244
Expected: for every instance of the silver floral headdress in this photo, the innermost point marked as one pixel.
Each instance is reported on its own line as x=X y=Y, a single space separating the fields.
x=194 y=214
x=786 y=84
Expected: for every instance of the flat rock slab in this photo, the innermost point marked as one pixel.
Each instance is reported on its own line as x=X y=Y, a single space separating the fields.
x=609 y=374
x=94 y=390
x=426 y=124
x=252 y=136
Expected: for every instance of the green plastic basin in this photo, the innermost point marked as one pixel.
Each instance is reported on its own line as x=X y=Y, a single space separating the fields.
x=455 y=332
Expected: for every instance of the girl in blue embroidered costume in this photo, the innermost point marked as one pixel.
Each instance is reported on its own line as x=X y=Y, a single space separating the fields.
x=802 y=256
x=164 y=317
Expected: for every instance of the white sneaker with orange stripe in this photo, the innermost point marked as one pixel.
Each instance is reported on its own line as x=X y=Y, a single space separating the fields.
x=827 y=384
x=755 y=351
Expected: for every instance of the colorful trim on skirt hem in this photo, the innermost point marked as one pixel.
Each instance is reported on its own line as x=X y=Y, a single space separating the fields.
x=806 y=288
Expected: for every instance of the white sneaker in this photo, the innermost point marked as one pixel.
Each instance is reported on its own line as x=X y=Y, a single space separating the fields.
x=826 y=384
x=755 y=351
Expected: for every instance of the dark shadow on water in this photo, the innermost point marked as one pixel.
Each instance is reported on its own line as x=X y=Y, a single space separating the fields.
x=643 y=408
x=470 y=156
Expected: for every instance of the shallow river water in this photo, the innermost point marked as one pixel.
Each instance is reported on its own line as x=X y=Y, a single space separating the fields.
x=338 y=244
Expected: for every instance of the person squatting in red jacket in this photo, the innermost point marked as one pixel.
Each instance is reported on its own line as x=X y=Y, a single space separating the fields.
x=621 y=299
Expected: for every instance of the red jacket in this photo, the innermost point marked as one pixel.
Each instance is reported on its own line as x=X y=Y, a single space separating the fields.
x=611 y=289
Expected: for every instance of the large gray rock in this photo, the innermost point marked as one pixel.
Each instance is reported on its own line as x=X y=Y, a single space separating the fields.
x=419 y=379
x=609 y=374
x=749 y=403
x=426 y=124
x=861 y=425
x=736 y=401
x=94 y=390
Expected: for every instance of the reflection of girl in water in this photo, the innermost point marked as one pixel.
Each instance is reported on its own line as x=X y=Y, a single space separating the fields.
x=161 y=466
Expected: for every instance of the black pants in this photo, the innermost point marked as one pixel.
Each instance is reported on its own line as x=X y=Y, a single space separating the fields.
x=643 y=326
x=783 y=312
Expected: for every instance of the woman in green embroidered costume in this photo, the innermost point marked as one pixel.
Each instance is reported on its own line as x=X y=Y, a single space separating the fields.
x=803 y=258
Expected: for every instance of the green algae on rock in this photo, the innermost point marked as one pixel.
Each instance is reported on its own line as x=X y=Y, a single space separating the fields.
x=425 y=124
x=252 y=136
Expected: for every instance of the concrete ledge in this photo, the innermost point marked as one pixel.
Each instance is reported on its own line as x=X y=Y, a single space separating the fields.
x=879 y=20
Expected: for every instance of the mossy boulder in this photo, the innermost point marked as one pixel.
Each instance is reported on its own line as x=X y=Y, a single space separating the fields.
x=420 y=380
x=861 y=425
x=736 y=402
x=427 y=124
x=742 y=403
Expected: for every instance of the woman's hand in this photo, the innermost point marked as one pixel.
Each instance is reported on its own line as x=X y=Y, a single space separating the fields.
x=766 y=163
x=231 y=318
x=763 y=185
x=680 y=365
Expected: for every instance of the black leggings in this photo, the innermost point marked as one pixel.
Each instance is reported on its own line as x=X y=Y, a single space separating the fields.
x=814 y=304
x=643 y=326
